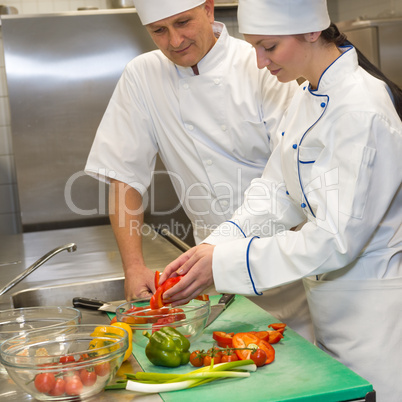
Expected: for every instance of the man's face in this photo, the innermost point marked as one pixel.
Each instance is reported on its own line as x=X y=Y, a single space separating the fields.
x=187 y=37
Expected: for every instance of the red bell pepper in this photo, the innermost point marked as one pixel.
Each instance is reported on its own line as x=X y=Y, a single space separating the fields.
x=249 y=340
x=223 y=339
x=157 y=298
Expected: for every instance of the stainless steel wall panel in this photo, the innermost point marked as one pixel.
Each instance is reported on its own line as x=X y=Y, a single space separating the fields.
x=61 y=71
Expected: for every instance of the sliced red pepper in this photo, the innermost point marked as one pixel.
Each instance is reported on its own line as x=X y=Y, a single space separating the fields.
x=223 y=339
x=274 y=337
x=156 y=279
x=249 y=340
x=157 y=298
x=278 y=325
x=264 y=335
x=202 y=297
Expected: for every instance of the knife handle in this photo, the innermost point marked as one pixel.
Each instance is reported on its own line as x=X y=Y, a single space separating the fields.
x=226 y=299
x=93 y=304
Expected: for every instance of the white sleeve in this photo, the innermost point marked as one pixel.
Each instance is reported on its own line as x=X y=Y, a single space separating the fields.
x=125 y=147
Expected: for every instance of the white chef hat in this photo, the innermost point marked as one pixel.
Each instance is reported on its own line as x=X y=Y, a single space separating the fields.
x=282 y=17
x=154 y=10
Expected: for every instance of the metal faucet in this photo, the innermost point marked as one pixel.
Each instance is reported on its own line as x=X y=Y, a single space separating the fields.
x=70 y=247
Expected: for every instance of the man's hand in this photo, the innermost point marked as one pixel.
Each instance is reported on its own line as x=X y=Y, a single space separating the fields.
x=139 y=282
x=196 y=265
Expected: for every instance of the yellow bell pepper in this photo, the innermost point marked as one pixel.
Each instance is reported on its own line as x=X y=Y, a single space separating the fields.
x=106 y=346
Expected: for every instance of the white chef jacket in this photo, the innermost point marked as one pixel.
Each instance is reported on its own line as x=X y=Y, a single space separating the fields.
x=213 y=132
x=338 y=168
x=211 y=152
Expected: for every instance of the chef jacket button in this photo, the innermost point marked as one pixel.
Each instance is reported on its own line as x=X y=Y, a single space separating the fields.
x=323 y=104
x=304 y=88
x=225 y=203
x=186 y=86
x=287 y=192
x=223 y=127
x=303 y=205
x=209 y=162
x=190 y=126
x=283 y=133
x=217 y=81
x=294 y=146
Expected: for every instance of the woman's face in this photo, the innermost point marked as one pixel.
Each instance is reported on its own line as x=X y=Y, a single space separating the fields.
x=285 y=56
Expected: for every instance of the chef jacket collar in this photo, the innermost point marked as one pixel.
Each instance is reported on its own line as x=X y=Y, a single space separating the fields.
x=345 y=65
x=214 y=57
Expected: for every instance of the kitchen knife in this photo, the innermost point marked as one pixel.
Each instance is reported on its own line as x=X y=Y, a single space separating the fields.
x=96 y=304
x=217 y=309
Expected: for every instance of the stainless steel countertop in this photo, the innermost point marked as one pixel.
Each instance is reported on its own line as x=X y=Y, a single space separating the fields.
x=97 y=257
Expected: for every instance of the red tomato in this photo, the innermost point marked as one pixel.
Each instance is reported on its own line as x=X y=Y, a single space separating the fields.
x=88 y=377
x=44 y=382
x=179 y=314
x=229 y=356
x=71 y=375
x=274 y=337
x=278 y=325
x=249 y=340
x=66 y=359
x=59 y=388
x=74 y=386
x=223 y=339
x=208 y=359
x=197 y=358
x=259 y=357
x=102 y=368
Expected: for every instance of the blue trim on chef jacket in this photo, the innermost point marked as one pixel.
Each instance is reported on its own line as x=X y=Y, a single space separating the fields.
x=324 y=106
x=238 y=227
x=248 y=265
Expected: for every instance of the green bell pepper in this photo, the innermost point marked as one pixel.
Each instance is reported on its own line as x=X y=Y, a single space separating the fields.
x=167 y=347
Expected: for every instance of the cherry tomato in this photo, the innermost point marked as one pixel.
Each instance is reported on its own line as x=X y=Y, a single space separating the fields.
x=208 y=359
x=102 y=368
x=74 y=386
x=278 y=325
x=59 y=388
x=229 y=356
x=249 y=340
x=88 y=377
x=44 y=382
x=223 y=339
x=66 y=359
x=71 y=375
x=259 y=357
x=197 y=358
x=274 y=337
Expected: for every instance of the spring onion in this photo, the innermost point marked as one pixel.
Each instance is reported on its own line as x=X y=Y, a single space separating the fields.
x=164 y=382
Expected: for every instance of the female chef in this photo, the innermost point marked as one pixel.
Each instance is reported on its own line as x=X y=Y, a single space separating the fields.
x=336 y=173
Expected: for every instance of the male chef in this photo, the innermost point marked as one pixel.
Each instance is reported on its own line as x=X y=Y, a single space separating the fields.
x=203 y=105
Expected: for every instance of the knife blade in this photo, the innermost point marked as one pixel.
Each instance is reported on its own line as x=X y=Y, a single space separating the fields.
x=96 y=304
x=217 y=309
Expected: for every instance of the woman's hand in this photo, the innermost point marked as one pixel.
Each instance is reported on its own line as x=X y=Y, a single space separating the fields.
x=196 y=265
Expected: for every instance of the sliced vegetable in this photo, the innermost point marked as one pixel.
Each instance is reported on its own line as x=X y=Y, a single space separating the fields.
x=223 y=339
x=274 y=337
x=156 y=279
x=277 y=325
x=157 y=298
x=243 y=340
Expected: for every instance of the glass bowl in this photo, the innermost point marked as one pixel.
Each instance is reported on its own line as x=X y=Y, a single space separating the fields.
x=189 y=319
x=20 y=320
x=64 y=362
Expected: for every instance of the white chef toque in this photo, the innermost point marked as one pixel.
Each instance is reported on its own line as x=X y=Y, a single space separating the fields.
x=282 y=17
x=155 y=10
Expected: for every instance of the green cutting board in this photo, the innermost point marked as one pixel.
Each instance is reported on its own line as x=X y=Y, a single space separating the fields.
x=300 y=371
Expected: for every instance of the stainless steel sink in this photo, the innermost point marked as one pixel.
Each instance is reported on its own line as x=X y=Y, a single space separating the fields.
x=62 y=295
